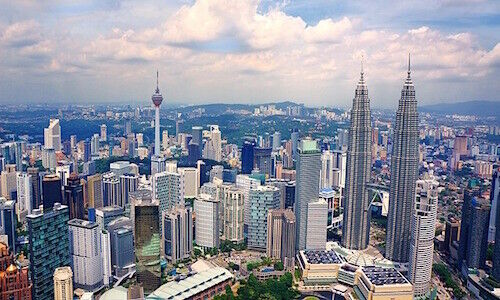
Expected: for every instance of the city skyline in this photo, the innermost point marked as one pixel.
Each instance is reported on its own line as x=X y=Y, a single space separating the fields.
x=242 y=54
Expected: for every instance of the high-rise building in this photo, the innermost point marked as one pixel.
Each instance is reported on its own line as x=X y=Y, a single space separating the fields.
x=213 y=147
x=19 y=156
x=459 y=149
x=94 y=145
x=145 y=213
x=63 y=283
x=107 y=214
x=14 y=281
x=317 y=219
x=307 y=186
x=421 y=250
x=35 y=184
x=276 y=140
x=233 y=205
x=95 y=191
x=104 y=133
x=52 y=135
x=8 y=222
x=478 y=230
x=327 y=170
x=189 y=178
x=294 y=137
x=494 y=198
x=262 y=160
x=177 y=233
x=8 y=182
x=356 y=224
x=86 y=254
x=51 y=188
x=206 y=209
x=281 y=236
x=24 y=195
x=246 y=183
x=111 y=189
x=107 y=276
x=122 y=250
x=262 y=199
x=128 y=183
x=247 y=156
x=73 y=197
x=451 y=233
x=404 y=172
x=87 y=150
x=46 y=255
x=167 y=190
x=290 y=195
x=465 y=234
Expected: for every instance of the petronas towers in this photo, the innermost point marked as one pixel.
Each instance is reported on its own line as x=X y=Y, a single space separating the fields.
x=356 y=225
x=404 y=173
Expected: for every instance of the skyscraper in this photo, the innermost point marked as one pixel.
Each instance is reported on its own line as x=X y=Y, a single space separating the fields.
x=46 y=255
x=73 y=197
x=177 y=237
x=307 y=186
x=422 y=236
x=262 y=199
x=317 y=218
x=24 y=195
x=51 y=188
x=104 y=133
x=496 y=250
x=247 y=156
x=281 y=236
x=206 y=209
x=262 y=160
x=167 y=190
x=35 y=184
x=404 y=172
x=8 y=221
x=494 y=198
x=52 y=135
x=233 y=205
x=63 y=284
x=356 y=225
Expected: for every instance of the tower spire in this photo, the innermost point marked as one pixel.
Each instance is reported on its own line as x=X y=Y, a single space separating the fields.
x=157 y=88
x=409 y=63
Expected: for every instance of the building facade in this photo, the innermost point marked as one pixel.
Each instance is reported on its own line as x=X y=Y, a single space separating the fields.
x=63 y=284
x=281 y=236
x=262 y=199
x=177 y=233
x=206 y=209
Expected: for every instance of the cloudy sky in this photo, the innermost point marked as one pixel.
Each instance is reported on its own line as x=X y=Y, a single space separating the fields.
x=247 y=51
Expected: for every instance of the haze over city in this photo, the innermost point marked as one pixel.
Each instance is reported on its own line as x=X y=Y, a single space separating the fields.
x=248 y=51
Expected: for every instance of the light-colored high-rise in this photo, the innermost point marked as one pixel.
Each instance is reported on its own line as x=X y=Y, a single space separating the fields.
x=422 y=236
x=356 y=226
x=86 y=254
x=104 y=133
x=246 y=183
x=234 y=203
x=94 y=191
x=63 y=283
x=24 y=195
x=404 y=172
x=327 y=170
x=317 y=218
x=52 y=135
x=213 y=149
x=262 y=199
x=206 y=209
x=189 y=182
x=177 y=235
x=281 y=236
x=307 y=186
x=167 y=190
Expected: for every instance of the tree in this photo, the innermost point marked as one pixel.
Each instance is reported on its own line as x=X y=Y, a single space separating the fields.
x=278 y=266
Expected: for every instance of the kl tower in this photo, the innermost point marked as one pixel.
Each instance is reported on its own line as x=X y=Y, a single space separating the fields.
x=157 y=162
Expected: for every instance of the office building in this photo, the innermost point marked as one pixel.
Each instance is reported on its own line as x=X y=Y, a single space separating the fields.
x=122 y=250
x=290 y=194
x=262 y=160
x=189 y=182
x=307 y=186
x=247 y=183
x=421 y=250
x=247 y=156
x=107 y=277
x=8 y=222
x=95 y=192
x=111 y=189
x=8 y=182
x=52 y=135
x=317 y=219
x=281 y=236
x=382 y=283
x=86 y=254
x=63 y=283
x=404 y=172
x=356 y=225
x=276 y=140
x=24 y=195
x=213 y=146
x=177 y=235
x=496 y=249
x=87 y=151
x=73 y=197
x=494 y=198
x=49 y=160
x=14 y=281
x=327 y=170
x=104 y=133
x=129 y=182
x=465 y=224
x=262 y=199
x=105 y=215
x=478 y=233
x=48 y=247
x=217 y=171
x=35 y=184
x=233 y=205
x=167 y=190
x=145 y=217
x=51 y=191
x=207 y=227
x=451 y=233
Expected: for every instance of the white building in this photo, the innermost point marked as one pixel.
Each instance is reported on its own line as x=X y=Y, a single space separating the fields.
x=213 y=148
x=327 y=171
x=206 y=209
x=189 y=182
x=167 y=190
x=234 y=204
x=317 y=214
x=49 y=160
x=104 y=133
x=246 y=183
x=422 y=236
x=86 y=254
x=52 y=135
x=24 y=196
x=107 y=276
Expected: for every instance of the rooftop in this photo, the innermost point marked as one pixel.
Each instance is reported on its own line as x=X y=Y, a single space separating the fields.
x=322 y=257
x=383 y=276
x=82 y=223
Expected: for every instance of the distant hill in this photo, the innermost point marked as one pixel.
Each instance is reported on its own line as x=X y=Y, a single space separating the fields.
x=478 y=108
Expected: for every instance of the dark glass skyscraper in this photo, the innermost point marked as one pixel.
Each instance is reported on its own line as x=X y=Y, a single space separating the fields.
x=356 y=226
x=495 y=192
x=73 y=197
x=404 y=173
x=51 y=188
x=262 y=160
x=247 y=156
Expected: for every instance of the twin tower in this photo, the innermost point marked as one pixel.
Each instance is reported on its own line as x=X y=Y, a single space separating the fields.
x=404 y=173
